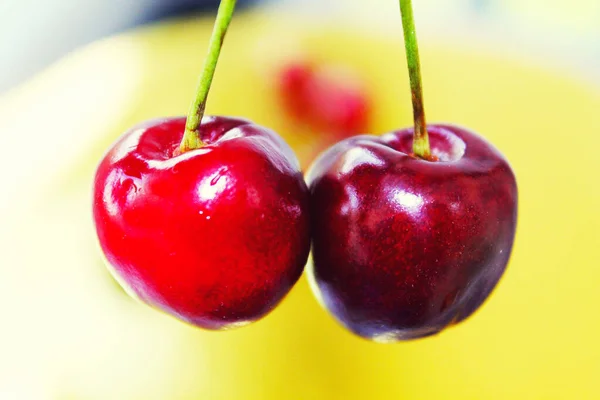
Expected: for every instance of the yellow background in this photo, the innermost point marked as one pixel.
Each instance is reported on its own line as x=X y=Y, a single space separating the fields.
x=70 y=333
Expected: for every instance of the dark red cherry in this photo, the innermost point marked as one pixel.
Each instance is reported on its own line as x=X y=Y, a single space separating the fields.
x=403 y=247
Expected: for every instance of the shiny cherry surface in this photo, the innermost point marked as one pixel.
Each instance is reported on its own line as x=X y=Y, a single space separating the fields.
x=404 y=247
x=216 y=236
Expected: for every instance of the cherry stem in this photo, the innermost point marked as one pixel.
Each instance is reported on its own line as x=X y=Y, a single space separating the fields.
x=420 y=136
x=191 y=137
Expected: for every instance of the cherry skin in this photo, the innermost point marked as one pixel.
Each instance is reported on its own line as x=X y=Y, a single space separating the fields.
x=403 y=247
x=215 y=236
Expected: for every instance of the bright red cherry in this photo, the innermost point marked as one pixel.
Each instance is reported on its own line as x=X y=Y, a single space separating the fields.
x=215 y=236
x=403 y=247
x=204 y=218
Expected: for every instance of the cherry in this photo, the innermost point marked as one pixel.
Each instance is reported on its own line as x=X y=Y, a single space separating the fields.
x=205 y=218
x=402 y=246
x=318 y=97
x=411 y=230
x=216 y=236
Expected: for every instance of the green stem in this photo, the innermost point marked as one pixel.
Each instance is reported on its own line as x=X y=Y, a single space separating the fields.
x=420 y=137
x=191 y=137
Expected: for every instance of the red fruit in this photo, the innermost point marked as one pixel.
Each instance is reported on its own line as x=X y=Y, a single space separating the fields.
x=216 y=236
x=293 y=84
x=323 y=101
x=404 y=247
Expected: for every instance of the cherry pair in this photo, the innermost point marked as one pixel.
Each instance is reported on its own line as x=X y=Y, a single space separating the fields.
x=211 y=220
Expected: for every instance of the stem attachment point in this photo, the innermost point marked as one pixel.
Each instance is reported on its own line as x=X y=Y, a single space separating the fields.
x=421 y=146
x=191 y=137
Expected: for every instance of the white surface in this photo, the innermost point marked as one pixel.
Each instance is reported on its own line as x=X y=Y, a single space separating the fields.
x=34 y=33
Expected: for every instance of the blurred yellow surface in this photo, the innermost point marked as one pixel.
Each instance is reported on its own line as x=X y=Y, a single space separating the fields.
x=70 y=333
